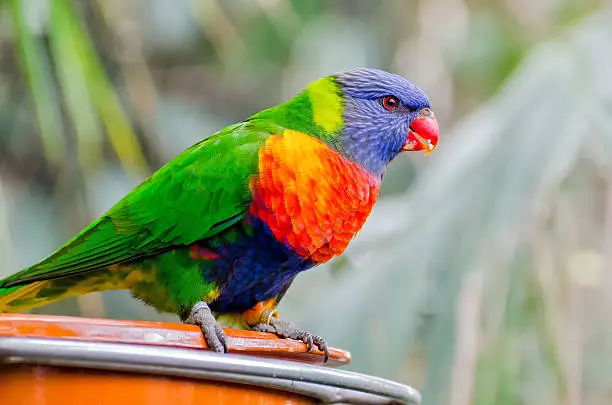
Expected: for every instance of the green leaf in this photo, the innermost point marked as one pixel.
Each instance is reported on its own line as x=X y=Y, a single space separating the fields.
x=35 y=63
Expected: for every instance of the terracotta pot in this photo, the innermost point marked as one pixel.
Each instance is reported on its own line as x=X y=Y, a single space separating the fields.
x=51 y=360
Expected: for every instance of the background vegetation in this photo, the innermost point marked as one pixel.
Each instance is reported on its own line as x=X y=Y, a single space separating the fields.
x=484 y=274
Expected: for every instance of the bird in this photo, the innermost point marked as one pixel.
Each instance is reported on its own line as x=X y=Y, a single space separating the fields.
x=220 y=232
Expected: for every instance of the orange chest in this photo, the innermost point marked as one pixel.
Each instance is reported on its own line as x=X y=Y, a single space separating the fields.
x=312 y=198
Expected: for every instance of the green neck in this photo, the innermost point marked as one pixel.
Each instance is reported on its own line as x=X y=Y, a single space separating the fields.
x=317 y=111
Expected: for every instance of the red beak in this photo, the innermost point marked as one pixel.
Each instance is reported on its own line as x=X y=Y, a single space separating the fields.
x=423 y=133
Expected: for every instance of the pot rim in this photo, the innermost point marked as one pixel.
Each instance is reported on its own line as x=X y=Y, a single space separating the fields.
x=325 y=384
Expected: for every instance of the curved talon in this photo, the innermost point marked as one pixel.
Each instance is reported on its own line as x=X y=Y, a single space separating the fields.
x=322 y=346
x=213 y=332
x=286 y=329
x=306 y=339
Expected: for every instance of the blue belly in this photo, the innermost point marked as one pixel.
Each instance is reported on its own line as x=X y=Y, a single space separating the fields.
x=253 y=265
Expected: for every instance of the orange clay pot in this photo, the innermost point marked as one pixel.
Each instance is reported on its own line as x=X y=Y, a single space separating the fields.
x=52 y=360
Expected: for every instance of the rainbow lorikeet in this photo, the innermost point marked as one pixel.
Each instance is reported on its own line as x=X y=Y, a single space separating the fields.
x=224 y=228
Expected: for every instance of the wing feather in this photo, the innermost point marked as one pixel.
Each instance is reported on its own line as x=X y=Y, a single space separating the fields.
x=199 y=193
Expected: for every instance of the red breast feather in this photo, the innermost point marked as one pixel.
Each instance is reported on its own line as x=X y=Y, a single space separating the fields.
x=312 y=199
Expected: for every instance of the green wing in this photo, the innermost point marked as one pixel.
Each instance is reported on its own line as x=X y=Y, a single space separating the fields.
x=199 y=193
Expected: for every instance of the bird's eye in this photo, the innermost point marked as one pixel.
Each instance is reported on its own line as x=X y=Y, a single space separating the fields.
x=390 y=102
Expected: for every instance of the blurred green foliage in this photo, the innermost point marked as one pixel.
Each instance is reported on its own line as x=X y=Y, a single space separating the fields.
x=482 y=276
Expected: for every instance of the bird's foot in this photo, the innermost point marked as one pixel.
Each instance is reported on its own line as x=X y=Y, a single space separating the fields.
x=286 y=329
x=202 y=316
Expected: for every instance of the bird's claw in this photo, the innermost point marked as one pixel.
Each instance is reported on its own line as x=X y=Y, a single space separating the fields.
x=285 y=329
x=214 y=335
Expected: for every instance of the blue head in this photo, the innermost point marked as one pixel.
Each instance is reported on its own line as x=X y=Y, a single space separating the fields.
x=383 y=115
x=367 y=115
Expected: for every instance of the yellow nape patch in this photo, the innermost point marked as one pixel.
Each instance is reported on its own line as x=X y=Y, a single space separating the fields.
x=326 y=104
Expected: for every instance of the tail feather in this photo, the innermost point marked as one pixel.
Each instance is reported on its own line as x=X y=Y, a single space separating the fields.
x=23 y=298
x=35 y=294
